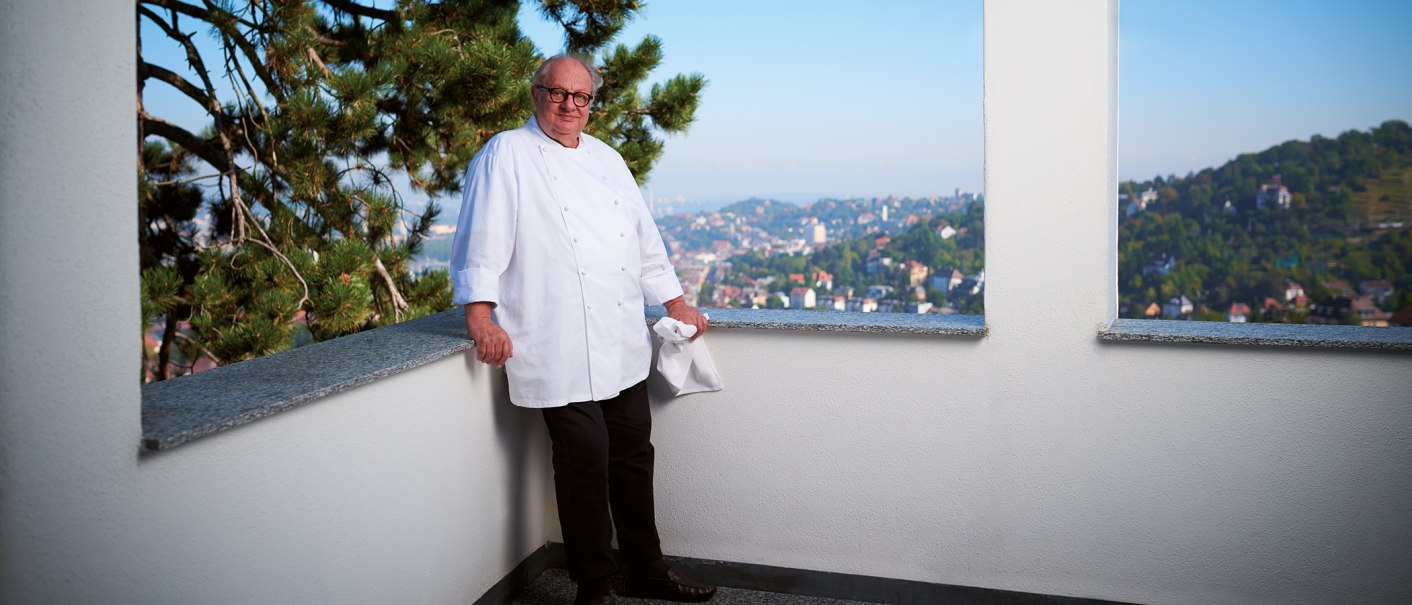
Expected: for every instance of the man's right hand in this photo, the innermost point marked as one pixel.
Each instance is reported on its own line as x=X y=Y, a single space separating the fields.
x=492 y=343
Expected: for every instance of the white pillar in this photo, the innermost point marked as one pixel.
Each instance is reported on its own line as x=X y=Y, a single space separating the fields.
x=69 y=318
x=1051 y=125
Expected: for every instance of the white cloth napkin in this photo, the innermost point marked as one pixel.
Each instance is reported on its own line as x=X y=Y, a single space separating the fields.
x=686 y=364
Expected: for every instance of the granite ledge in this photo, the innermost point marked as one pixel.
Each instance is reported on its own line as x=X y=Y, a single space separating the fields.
x=839 y=321
x=182 y=409
x=1259 y=334
x=189 y=407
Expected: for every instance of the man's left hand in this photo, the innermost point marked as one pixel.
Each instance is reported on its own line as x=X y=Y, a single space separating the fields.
x=678 y=309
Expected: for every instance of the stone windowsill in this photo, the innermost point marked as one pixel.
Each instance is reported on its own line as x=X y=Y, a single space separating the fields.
x=1258 y=334
x=182 y=409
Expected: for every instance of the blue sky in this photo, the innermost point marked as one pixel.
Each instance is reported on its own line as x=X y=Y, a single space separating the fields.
x=1202 y=81
x=825 y=98
x=822 y=98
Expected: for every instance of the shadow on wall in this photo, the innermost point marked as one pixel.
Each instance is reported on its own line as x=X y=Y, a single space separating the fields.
x=517 y=439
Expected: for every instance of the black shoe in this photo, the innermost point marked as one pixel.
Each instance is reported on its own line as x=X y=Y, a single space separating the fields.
x=673 y=587
x=598 y=591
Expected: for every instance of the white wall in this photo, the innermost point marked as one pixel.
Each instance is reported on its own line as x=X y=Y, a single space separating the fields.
x=1039 y=459
x=1035 y=459
x=410 y=490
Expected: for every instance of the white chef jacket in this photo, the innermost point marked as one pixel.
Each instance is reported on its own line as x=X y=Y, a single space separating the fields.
x=562 y=242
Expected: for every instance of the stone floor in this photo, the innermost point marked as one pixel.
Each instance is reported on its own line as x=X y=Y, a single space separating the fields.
x=553 y=587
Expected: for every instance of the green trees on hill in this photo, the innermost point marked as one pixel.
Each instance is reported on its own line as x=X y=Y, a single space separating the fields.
x=1333 y=229
x=279 y=220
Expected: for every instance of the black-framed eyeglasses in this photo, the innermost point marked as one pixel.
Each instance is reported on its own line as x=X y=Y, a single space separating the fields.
x=557 y=95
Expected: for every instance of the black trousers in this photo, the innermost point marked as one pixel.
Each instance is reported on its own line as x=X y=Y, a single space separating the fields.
x=603 y=460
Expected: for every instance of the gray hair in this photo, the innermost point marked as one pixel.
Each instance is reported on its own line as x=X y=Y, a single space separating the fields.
x=543 y=70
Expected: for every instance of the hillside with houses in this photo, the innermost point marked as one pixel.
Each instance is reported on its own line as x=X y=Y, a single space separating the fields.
x=1316 y=231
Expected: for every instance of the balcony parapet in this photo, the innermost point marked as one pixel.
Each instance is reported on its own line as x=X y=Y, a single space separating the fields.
x=840 y=321
x=1259 y=334
x=181 y=409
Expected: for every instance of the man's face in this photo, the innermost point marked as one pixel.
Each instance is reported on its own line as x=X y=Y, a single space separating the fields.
x=563 y=121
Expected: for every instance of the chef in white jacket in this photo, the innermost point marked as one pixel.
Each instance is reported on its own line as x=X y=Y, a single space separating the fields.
x=554 y=259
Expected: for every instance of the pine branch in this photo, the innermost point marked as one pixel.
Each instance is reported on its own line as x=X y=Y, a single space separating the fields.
x=353 y=8
x=251 y=54
x=187 y=181
x=233 y=64
x=314 y=56
x=399 y=304
x=200 y=347
x=181 y=136
x=164 y=352
x=173 y=5
x=147 y=70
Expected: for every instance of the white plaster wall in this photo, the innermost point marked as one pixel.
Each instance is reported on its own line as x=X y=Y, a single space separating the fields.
x=423 y=488
x=1039 y=459
x=411 y=490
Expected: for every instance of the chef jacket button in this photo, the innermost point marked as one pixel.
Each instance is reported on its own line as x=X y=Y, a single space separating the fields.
x=589 y=307
x=620 y=303
x=615 y=202
x=583 y=273
x=566 y=208
x=576 y=240
x=622 y=268
x=556 y=178
x=621 y=234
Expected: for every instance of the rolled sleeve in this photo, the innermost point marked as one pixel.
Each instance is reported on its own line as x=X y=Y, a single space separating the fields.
x=658 y=289
x=476 y=285
x=659 y=278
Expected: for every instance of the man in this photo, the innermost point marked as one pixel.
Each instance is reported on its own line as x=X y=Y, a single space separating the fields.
x=554 y=258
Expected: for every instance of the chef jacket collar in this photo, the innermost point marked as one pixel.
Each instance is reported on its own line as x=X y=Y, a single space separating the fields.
x=533 y=126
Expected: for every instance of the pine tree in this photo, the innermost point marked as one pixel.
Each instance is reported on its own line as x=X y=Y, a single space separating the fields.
x=308 y=237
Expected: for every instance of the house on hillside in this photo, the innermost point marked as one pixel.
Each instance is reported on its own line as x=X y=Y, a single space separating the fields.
x=1293 y=290
x=801 y=298
x=1140 y=204
x=1364 y=312
x=1177 y=307
x=1152 y=310
x=916 y=273
x=863 y=305
x=1330 y=311
x=877 y=263
x=1340 y=287
x=1159 y=264
x=879 y=291
x=946 y=231
x=1379 y=289
x=1238 y=313
x=946 y=279
x=1273 y=195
